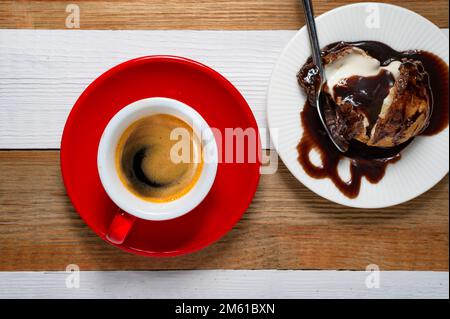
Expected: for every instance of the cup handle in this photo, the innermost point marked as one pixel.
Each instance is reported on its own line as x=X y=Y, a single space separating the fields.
x=120 y=227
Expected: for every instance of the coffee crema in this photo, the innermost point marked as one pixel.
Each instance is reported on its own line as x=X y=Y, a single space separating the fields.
x=146 y=162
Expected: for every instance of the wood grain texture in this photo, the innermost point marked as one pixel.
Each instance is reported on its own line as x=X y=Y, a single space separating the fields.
x=286 y=227
x=186 y=14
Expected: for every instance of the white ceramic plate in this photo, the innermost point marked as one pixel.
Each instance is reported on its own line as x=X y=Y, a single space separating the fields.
x=424 y=163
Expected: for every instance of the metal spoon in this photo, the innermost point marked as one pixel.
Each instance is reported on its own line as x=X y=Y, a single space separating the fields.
x=317 y=60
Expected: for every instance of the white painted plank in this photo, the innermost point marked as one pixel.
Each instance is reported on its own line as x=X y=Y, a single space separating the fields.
x=42 y=72
x=224 y=284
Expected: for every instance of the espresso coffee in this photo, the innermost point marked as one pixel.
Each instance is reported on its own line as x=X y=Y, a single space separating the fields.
x=159 y=158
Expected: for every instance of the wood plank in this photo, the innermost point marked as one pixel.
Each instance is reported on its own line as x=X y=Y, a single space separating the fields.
x=228 y=284
x=286 y=227
x=34 y=64
x=186 y=14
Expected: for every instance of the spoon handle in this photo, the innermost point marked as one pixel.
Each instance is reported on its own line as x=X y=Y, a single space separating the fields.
x=314 y=40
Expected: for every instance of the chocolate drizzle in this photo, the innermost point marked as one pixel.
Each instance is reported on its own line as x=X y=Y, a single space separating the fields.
x=367 y=161
x=366 y=93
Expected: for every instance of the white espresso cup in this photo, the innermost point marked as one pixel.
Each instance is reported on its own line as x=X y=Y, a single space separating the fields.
x=132 y=206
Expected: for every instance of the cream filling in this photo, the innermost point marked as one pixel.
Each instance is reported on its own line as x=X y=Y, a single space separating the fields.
x=356 y=63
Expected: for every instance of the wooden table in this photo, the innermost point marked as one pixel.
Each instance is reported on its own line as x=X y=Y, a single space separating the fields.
x=286 y=226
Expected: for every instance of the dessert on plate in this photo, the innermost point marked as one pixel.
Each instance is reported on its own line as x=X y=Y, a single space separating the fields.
x=378 y=103
x=375 y=102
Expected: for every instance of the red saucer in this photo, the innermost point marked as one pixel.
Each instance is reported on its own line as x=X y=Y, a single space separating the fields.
x=214 y=97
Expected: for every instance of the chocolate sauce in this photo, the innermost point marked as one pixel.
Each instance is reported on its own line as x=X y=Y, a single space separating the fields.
x=437 y=70
x=366 y=93
x=366 y=161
